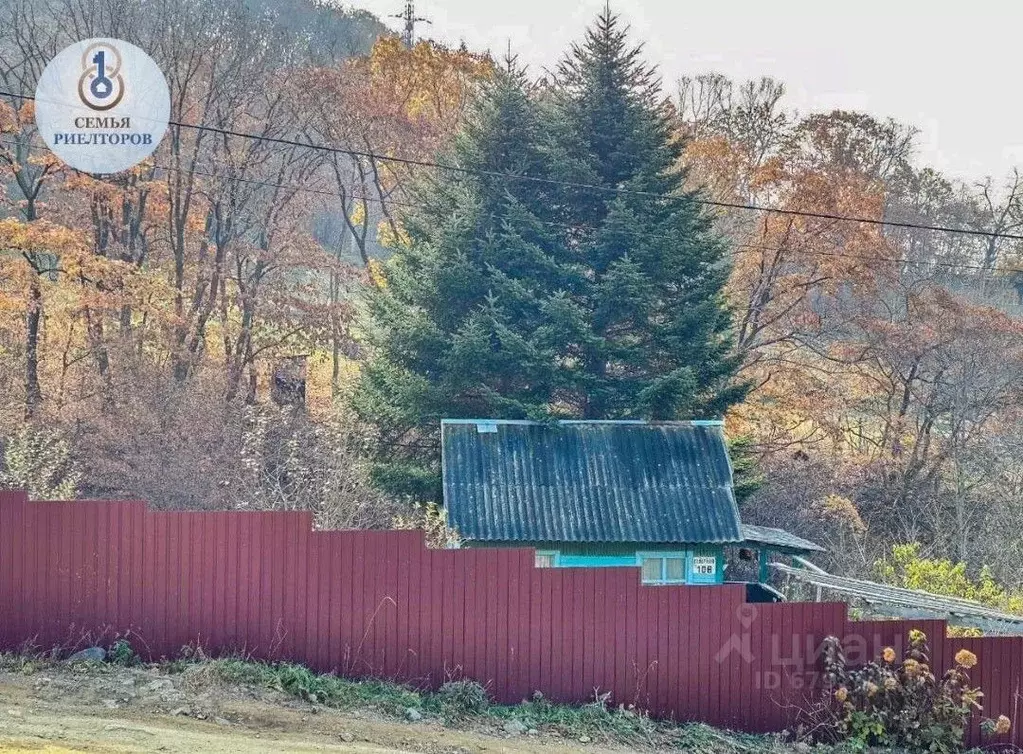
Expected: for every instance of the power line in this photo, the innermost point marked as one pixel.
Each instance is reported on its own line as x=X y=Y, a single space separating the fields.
x=745 y=247
x=584 y=186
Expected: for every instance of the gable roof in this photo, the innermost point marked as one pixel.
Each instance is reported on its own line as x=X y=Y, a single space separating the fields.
x=581 y=481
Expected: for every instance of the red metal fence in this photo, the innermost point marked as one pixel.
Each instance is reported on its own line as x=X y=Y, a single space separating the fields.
x=366 y=603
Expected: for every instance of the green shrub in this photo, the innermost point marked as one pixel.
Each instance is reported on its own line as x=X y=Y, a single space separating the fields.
x=39 y=461
x=461 y=698
x=300 y=681
x=597 y=719
x=902 y=704
x=906 y=567
x=122 y=653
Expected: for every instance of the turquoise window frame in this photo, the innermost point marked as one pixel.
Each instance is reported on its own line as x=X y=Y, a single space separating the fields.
x=572 y=560
x=684 y=555
x=555 y=558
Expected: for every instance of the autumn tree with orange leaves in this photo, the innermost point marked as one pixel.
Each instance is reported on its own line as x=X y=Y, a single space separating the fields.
x=143 y=314
x=884 y=358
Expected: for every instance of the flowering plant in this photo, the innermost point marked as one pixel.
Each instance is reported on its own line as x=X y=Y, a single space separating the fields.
x=903 y=704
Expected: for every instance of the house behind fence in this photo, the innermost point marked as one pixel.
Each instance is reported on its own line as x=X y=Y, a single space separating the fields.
x=380 y=604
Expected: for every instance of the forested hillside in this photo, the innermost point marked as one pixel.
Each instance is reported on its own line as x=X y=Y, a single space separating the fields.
x=885 y=358
x=142 y=313
x=598 y=252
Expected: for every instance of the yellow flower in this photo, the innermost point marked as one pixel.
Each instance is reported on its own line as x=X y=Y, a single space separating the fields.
x=911 y=666
x=890 y=683
x=871 y=688
x=841 y=694
x=1002 y=725
x=916 y=636
x=888 y=654
x=966 y=658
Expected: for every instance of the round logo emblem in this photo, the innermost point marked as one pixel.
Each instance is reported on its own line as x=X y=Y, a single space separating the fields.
x=102 y=105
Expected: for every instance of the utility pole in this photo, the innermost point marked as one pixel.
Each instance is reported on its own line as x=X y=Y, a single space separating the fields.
x=411 y=19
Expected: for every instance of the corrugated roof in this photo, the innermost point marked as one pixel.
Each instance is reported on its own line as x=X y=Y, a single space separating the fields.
x=589 y=481
x=766 y=535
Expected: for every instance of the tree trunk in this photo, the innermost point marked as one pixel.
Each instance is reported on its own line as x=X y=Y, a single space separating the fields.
x=33 y=320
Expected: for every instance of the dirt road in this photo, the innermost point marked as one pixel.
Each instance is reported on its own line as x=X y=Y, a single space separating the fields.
x=130 y=712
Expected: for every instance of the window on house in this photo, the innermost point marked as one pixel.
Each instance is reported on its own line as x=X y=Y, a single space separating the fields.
x=652 y=569
x=545 y=559
x=663 y=569
x=675 y=569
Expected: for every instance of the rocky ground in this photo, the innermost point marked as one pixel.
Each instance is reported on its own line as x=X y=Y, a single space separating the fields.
x=61 y=707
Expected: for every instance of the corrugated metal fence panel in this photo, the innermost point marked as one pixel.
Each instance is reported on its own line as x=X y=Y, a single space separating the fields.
x=380 y=604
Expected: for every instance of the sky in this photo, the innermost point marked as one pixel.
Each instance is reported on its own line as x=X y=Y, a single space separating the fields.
x=950 y=69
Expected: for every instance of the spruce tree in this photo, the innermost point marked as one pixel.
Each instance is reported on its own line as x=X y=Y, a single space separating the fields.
x=595 y=291
x=658 y=343
x=473 y=320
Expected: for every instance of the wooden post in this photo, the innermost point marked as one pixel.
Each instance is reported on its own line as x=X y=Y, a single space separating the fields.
x=762 y=556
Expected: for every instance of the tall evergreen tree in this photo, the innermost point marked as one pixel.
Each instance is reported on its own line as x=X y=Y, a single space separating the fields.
x=595 y=291
x=473 y=321
x=658 y=343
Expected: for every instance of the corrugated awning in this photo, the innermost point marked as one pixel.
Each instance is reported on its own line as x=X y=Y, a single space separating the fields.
x=888 y=601
x=765 y=535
